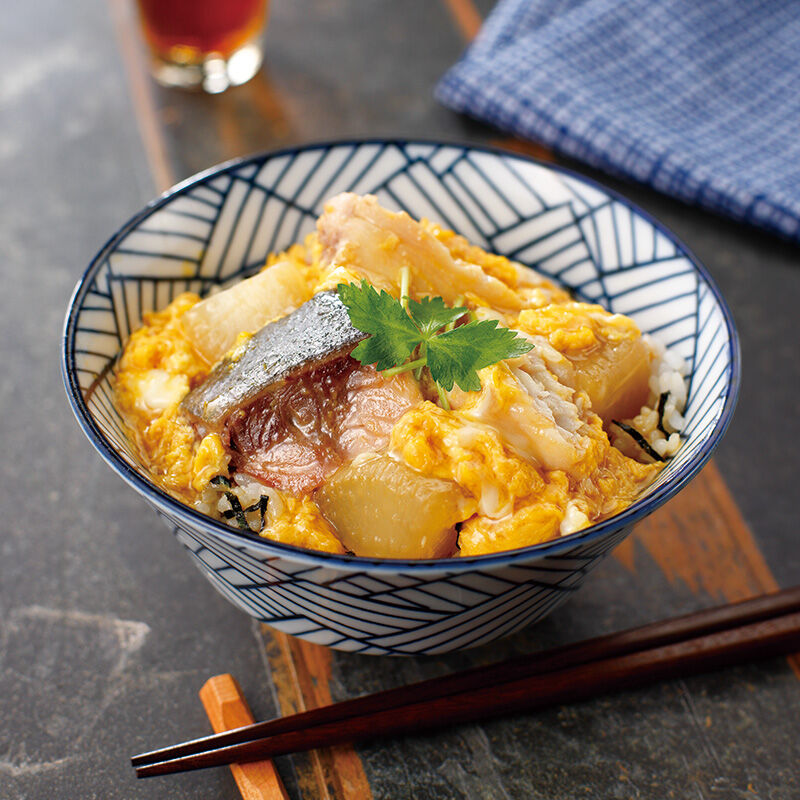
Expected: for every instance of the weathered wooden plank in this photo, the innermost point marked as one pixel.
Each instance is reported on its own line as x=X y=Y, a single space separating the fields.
x=123 y=15
x=466 y=16
x=227 y=708
x=531 y=149
x=301 y=673
x=701 y=539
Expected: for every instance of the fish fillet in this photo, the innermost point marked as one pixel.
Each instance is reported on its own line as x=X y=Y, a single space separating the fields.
x=316 y=332
x=299 y=434
x=361 y=236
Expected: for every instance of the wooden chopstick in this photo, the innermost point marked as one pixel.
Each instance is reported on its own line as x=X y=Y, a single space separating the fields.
x=227 y=708
x=656 y=634
x=684 y=645
x=761 y=640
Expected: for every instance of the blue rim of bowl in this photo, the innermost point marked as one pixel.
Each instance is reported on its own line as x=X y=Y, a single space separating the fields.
x=160 y=498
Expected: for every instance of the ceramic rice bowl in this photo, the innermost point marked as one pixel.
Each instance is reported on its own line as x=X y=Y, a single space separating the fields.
x=220 y=225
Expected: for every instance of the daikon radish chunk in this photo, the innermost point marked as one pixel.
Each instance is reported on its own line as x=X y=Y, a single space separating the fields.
x=214 y=323
x=615 y=377
x=382 y=508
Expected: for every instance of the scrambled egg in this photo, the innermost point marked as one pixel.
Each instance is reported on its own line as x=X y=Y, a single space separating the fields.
x=536 y=466
x=573 y=327
x=156 y=370
x=302 y=524
x=519 y=503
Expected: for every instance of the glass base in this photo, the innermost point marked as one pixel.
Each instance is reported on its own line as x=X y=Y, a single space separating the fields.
x=211 y=72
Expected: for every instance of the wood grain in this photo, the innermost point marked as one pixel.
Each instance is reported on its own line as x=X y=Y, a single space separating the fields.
x=301 y=673
x=701 y=539
x=227 y=708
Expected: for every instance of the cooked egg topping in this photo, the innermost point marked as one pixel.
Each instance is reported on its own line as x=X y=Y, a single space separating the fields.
x=156 y=369
x=525 y=459
x=302 y=524
x=519 y=501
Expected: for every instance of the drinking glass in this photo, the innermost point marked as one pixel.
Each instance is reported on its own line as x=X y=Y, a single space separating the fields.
x=210 y=44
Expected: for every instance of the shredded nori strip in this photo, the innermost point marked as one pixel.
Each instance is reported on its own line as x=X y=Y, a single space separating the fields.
x=261 y=506
x=640 y=440
x=236 y=511
x=662 y=402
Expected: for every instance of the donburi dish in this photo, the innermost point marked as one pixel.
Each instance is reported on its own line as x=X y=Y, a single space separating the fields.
x=387 y=389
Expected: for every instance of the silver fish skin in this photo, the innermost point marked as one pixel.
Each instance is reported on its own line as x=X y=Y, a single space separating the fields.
x=317 y=331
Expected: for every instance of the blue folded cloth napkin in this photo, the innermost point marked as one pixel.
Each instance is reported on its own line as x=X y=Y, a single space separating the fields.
x=700 y=99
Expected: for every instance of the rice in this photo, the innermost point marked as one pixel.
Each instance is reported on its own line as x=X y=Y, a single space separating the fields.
x=215 y=502
x=667 y=378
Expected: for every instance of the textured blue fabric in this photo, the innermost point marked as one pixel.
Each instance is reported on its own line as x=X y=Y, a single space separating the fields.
x=698 y=98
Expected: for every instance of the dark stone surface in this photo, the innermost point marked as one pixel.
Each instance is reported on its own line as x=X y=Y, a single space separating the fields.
x=725 y=736
x=107 y=631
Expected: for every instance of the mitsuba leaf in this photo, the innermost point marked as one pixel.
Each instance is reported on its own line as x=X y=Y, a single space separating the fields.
x=431 y=314
x=393 y=335
x=452 y=356
x=456 y=356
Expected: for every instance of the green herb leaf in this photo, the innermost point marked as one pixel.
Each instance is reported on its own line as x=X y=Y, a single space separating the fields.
x=431 y=314
x=394 y=335
x=452 y=355
x=457 y=355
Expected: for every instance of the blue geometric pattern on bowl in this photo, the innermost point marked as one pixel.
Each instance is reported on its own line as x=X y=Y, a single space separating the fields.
x=220 y=225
